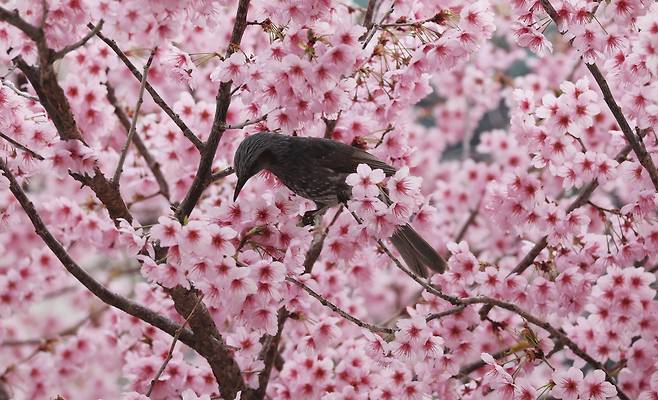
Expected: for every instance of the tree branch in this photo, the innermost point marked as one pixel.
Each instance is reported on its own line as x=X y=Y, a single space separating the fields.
x=474 y=366
x=221 y=174
x=44 y=81
x=104 y=294
x=21 y=147
x=13 y=18
x=370 y=13
x=14 y=89
x=339 y=311
x=4 y=393
x=67 y=49
x=154 y=94
x=208 y=342
x=223 y=99
x=445 y=313
x=153 y=165
x=507 y=306
x=246 y=123
x=638 y=148
x=72 y=330
x=268 y=355
x=133 y=123
x=170 y=353
x=581 y=200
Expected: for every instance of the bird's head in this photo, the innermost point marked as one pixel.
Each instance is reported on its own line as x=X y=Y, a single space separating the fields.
x=252 y=156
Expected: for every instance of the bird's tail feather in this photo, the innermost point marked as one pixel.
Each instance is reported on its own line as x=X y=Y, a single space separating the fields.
x=416 y=252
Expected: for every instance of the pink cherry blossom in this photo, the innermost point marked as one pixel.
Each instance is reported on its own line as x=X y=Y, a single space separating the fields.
x=364 y=181
x=568 y=384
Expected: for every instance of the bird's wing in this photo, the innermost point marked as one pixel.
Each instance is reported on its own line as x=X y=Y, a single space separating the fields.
x=344 y=158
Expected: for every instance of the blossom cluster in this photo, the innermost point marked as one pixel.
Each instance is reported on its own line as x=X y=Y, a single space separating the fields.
x=512 y=164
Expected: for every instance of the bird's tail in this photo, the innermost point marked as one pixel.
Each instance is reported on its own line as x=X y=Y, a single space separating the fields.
x=416 y=252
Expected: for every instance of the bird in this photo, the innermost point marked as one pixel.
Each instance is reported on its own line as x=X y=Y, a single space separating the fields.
x=316 y=169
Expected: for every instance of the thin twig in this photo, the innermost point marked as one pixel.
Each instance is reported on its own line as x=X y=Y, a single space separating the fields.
x=315 y=249
x=21 y=147
x=154 y=94
x=374 y=27
x=61 y=53
x=152 y=163
x=133 y=123
x=468 y=368
x=469 y=221
x=445 y=313
x=330 y=125
x=170 y=353
x=339 y=311
x=638 y=147
x=221 y=174
x=268 y=354
x=246 y=123
x=72 y=330
x=6 y=82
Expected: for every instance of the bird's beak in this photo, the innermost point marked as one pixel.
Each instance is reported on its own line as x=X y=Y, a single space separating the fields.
x=238 y=187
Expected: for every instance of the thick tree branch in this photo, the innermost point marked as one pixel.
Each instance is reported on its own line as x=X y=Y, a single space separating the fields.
x=51 y=95
x=133 y=123
x=61 y=53
x=636 y=145
x=154 y=94
x=13 y=18
x=207 y=341
x=223 y=100
x=4 y=393
x=53 y=99
x=153 y=165
x=103 y=293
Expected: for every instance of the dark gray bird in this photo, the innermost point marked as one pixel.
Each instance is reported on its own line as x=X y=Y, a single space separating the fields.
x=316 y=169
